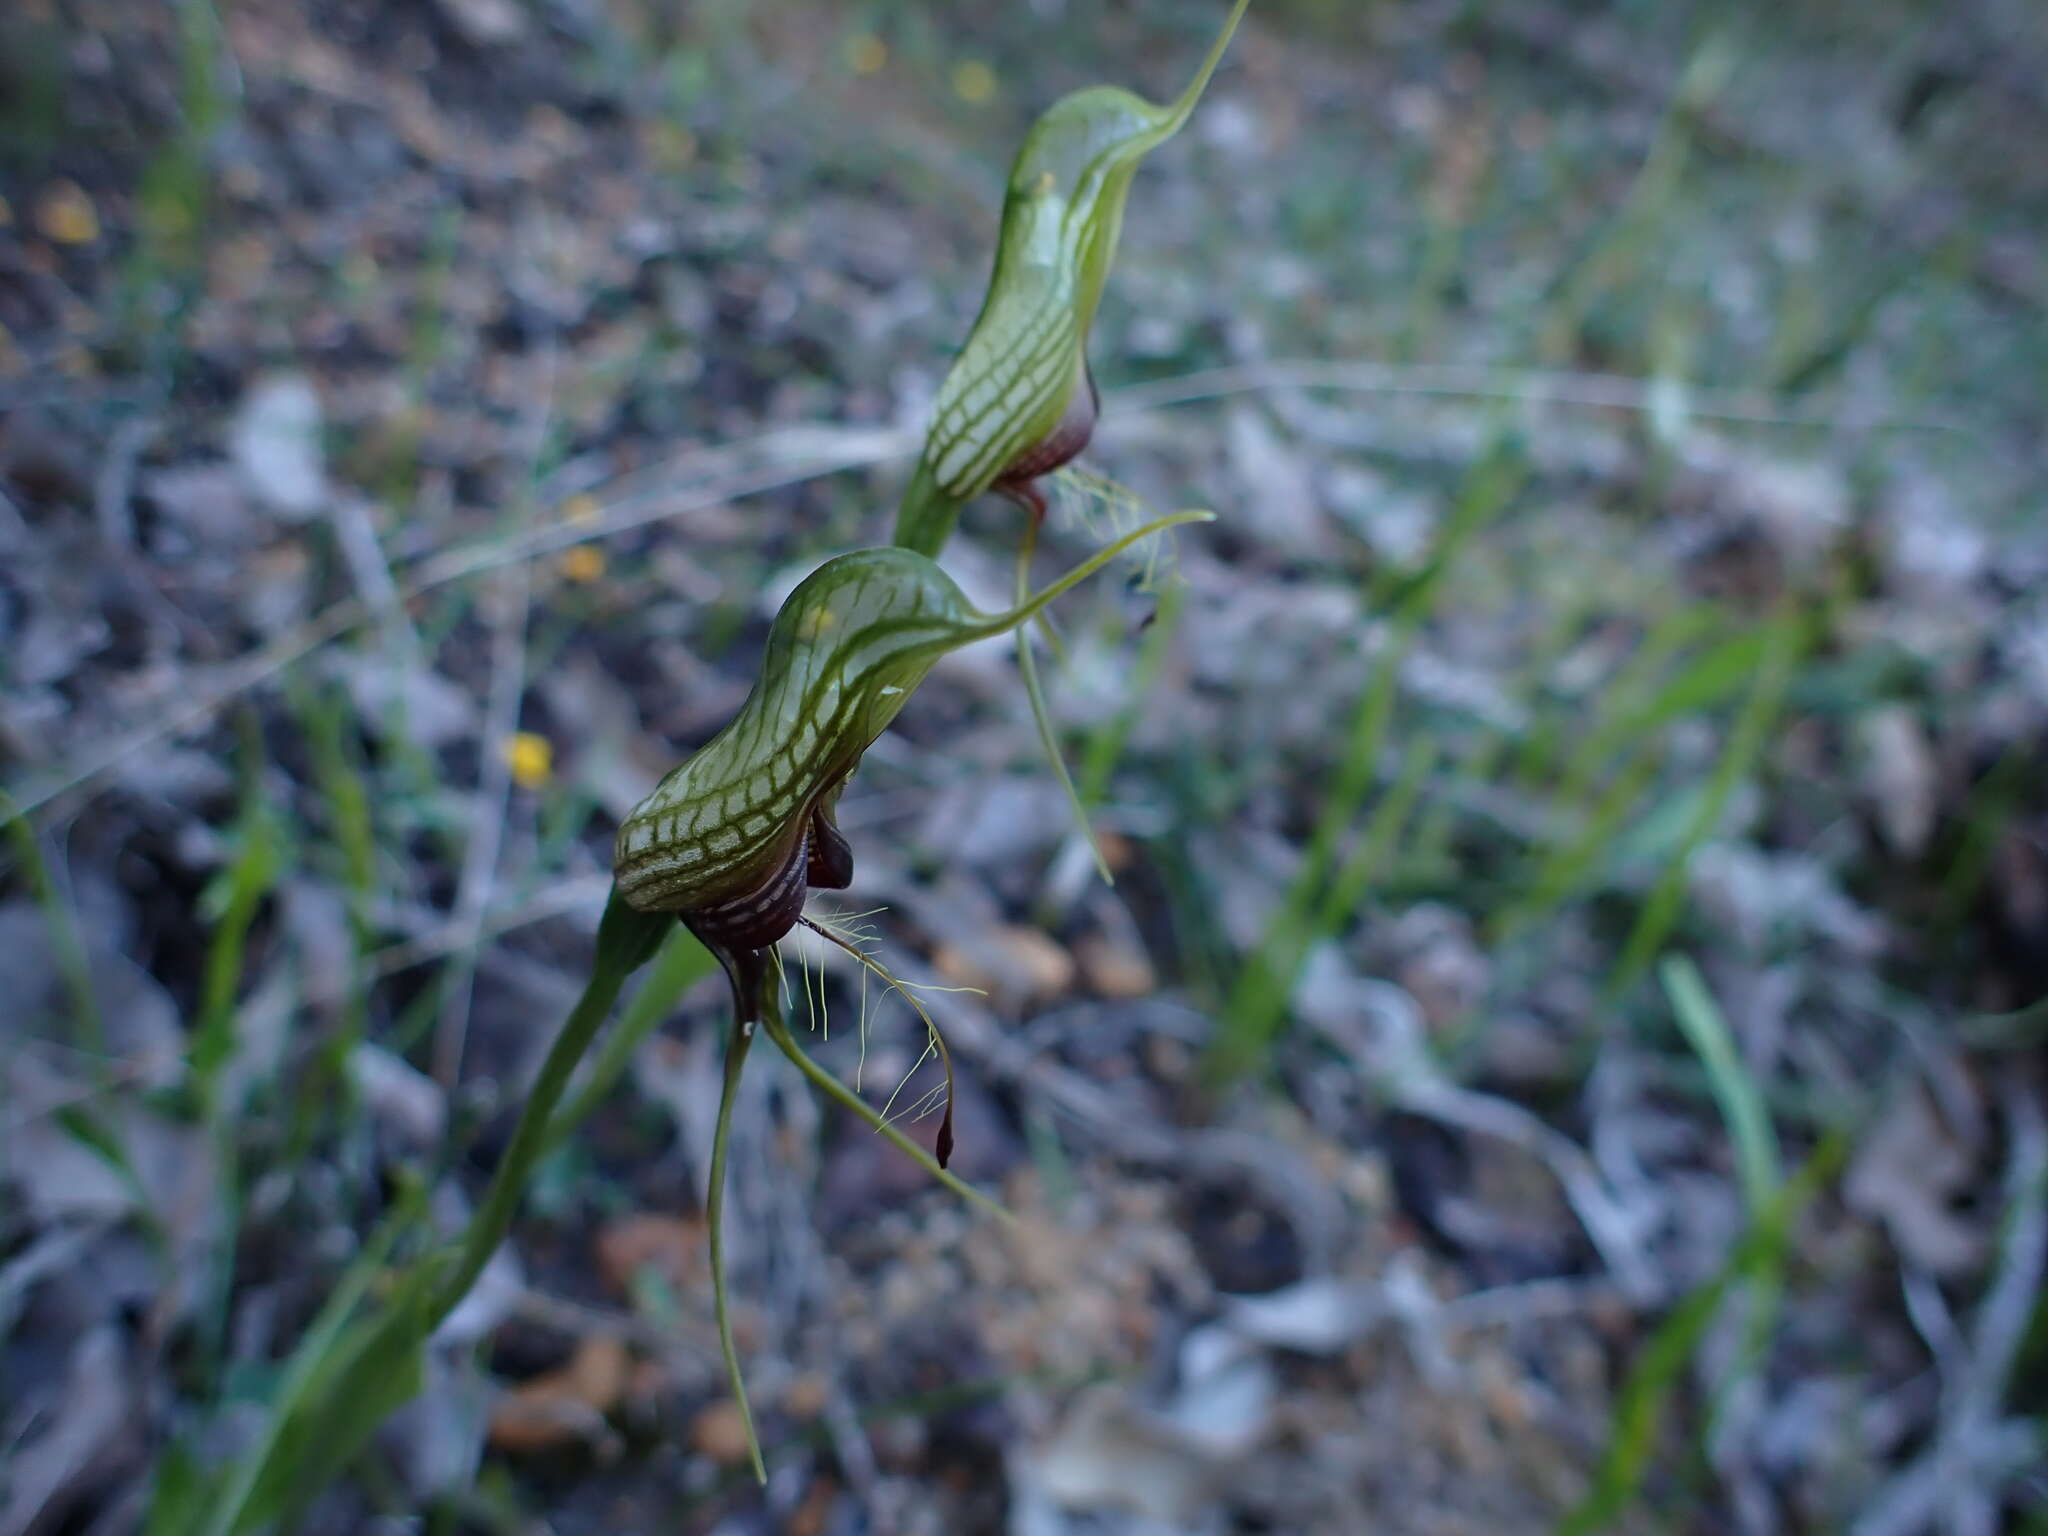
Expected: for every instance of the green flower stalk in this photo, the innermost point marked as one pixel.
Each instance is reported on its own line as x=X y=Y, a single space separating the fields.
x=731 y=843
x=733 y=840
x=1019 y=401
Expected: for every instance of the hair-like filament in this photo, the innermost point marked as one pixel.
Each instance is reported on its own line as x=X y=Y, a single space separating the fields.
x=935 y=1040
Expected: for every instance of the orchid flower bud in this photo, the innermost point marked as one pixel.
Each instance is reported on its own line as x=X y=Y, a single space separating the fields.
x=1019 y=401
x=734 y=839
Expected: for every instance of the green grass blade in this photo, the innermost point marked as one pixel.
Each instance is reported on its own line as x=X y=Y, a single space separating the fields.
x=1257 y=1003
x=1748 y=1120
x=1654 y=1375
x=626 y=940
x=1376 y=843
x=245 y=887
x=1785 y=639
x=1571 y=866
x=1734 y=1089
x=339 y=1361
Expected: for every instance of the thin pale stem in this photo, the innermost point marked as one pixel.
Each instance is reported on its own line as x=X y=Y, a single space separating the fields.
x=714 y=1215
x=1041 y=715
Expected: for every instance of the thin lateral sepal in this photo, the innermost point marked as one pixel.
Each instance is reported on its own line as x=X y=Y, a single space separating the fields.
x=1184 y=105
x=1041 y=599
x=937 y=1041
x=846 y=1098
x=714 y=1216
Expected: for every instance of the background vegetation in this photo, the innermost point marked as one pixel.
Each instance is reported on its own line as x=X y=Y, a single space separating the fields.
x=1563 y=1048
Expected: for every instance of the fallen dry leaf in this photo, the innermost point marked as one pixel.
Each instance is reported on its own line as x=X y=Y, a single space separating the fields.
x=275 y=443
x=85 y=1433
x=65 y=214
x=671 y=1245
x=1109 y=1453
x=566 y=1406
x=1012 y=964
x=804 y=1397
x=1906 y=1174
x=1899 y=776
x=1114 y=968
x=599 y=1370
x=718 y=1431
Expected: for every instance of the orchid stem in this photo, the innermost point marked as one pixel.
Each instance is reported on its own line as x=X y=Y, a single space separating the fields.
x=714 y=1215
x=533 y=1136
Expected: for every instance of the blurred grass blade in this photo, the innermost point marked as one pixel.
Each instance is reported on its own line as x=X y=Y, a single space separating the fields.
x=1041 y=712
x=1367 y=861
x=1258 y=1000
x=1735 y=1090
x=1653 y=1377
x=1572 y=866
x=88 y=1030
x=1704 y=681
x=1785 y=640
x=1748 y=1121
x=240 y=892
x=345 y=1376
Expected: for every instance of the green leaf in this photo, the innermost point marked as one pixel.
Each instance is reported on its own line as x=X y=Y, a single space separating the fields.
x=1018 y=400
x=627 y=938
x=349 y=1373
x=1735 y=1091
x=377 y=1368
x=1654 y=1375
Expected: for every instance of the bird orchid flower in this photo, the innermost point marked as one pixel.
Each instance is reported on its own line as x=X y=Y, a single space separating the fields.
x=1019 y=401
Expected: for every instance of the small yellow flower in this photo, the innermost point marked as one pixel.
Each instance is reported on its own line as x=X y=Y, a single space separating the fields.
x=974 y=82
x=671 y=146
x=532 y=759
x=359 y=271
x=582 y=508
x=866 y=53
x=66 y=215
x=584 y=562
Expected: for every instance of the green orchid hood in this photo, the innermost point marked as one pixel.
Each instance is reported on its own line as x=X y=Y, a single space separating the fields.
x=1019 y=401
